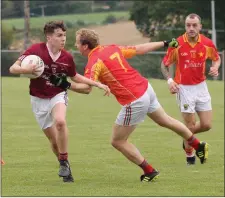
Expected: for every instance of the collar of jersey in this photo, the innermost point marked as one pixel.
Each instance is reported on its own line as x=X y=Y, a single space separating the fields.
x=186 y=39
x=93 y=50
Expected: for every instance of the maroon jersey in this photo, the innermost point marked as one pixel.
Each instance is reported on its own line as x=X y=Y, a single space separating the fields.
x=41 y=86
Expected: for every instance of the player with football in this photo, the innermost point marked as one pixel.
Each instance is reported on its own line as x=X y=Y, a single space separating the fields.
x=108 y=64
x=49 y=103
x=189 y=82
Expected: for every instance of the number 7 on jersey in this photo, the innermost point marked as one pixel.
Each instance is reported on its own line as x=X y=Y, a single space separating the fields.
x=117 y=56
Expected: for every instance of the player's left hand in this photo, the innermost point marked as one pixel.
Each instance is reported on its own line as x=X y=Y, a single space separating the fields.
x=105 y=88
x=213 y=71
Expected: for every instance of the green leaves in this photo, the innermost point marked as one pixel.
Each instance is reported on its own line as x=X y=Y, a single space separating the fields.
x=161 y=19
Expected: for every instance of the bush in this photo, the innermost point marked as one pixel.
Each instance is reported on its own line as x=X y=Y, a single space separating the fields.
x=110 y=19
x=7 y=59
x=70 y=38
x=80 y=23
x=7 y=37
x=69 y=24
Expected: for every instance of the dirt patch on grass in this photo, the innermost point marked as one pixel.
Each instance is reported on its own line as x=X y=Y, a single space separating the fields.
x=121 y=33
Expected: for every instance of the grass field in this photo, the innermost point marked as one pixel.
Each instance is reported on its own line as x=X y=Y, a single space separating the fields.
x=38 y=22
x=99 y=170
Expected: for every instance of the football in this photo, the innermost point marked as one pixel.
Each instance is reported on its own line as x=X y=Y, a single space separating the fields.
x=34 y=60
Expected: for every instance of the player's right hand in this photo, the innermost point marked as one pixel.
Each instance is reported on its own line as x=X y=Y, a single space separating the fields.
x=173 y=87
x=105 y=88
x=171 y=43
x=31 y=69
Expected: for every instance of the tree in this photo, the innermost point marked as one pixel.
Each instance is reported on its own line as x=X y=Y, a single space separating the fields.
x=163 y=19
x=11 y=9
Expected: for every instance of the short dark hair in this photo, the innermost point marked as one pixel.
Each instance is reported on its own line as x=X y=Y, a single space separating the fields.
x=50 y=27
x=192 y=16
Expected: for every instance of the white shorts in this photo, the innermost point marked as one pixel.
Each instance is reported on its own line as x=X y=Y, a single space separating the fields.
x=135 y=112
x=42 y=108
x=192 y=98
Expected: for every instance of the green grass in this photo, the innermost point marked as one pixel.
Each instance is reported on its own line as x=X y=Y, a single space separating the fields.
x=38 y=22
x=99 y=170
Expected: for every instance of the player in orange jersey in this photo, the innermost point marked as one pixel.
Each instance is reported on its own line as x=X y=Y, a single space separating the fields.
x=108 y=65
x=189 y=82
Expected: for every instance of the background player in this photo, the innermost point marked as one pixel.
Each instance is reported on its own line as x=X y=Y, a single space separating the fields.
x=189 y=82
x=138 y=99
x=49 y=103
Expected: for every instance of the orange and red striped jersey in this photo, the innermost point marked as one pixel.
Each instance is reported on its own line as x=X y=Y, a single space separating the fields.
x=108 y=65
x=191 y=59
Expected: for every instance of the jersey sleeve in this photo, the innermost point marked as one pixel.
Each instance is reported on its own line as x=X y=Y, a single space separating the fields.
x=170 y=57
x=72 y=68
x=128 y=51
x=29 y=51
x=212 y=52
x=93 y=71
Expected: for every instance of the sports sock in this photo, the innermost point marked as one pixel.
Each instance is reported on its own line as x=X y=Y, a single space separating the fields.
x=194 y=142
x=189 y=152
x=146 y=167
x=63 y=156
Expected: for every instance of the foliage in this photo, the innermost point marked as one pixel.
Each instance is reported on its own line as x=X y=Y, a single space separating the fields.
x=7 y=37
x=159 y=18
x=110 y=19
x=13 y=9
x=38 y=22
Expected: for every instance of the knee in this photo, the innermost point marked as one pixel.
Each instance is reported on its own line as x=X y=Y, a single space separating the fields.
x=60 y=123
x=117 y=144
x=191 y=126
x=206 y=126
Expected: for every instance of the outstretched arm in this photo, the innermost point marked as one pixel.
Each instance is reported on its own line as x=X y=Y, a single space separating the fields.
x=61 y=81
x=80 y=88
x=82 y=79
x=147 y=47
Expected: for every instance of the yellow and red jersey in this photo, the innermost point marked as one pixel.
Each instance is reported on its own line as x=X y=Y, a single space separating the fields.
x=108 y=64
x=190 y=59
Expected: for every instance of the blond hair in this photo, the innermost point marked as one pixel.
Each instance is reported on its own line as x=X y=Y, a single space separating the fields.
x=88 y=37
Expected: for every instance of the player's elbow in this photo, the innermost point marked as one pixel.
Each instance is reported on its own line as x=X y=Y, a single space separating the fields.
x=87 y=91
x=12 y=70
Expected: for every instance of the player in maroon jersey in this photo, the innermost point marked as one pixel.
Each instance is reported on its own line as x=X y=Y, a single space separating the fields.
x=49 y=103
x=108 y=65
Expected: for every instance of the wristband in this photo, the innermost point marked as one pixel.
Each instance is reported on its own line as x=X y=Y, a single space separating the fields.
x=169 y=80
x=165 y=43
x=65 y=85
